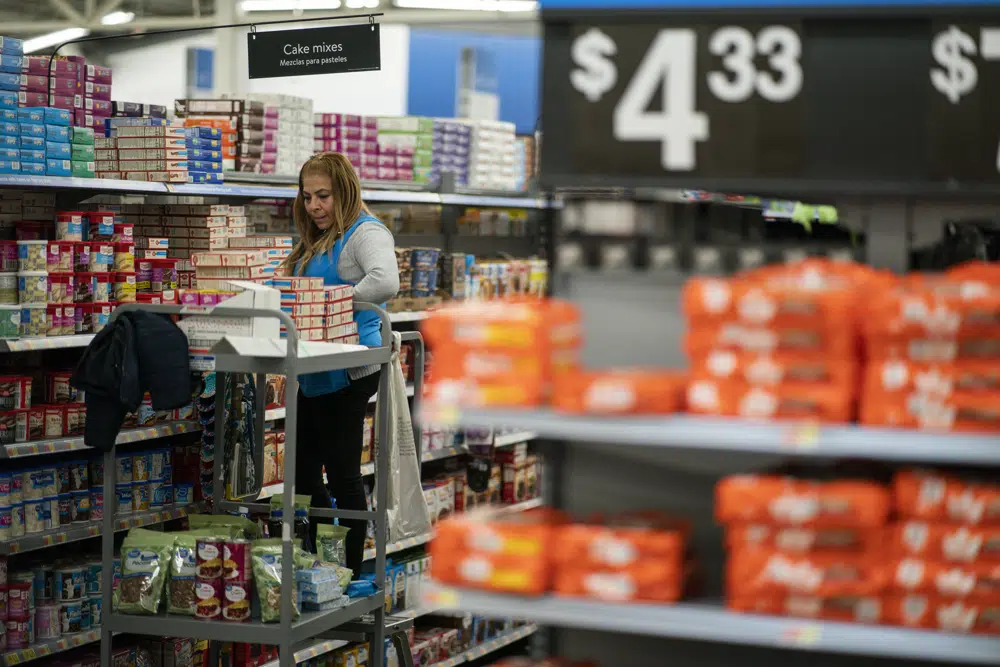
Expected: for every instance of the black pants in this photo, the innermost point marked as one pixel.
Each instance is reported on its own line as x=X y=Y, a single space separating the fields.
x=330 y=431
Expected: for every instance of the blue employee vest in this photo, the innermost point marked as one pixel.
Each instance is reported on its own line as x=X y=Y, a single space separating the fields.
x=369 y=323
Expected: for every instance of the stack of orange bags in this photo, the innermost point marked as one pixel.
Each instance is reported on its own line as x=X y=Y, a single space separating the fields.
x=632 y=558
x=635 y=558
x=501 y=353
x=946 y=549
x=933 y=345
x=777 y=342
x=804 y=548
x=510 y=553
x=518 y=353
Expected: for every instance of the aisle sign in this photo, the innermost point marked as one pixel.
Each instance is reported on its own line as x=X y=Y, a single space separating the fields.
x=836 y=104
x=334 y=50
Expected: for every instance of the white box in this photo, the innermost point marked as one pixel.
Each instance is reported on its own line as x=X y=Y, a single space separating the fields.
x=249 y=295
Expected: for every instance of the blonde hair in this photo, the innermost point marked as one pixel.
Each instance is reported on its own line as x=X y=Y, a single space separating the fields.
x=346 y=187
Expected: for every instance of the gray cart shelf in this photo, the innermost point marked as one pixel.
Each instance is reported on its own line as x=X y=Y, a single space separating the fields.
x=287 y=634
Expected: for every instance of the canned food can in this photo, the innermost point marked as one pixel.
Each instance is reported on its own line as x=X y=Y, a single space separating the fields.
x=95 y=575
x=44 y=583
x=96 y=609
x=183 y=494
x=70 y=617
x=18 y=631
x=208 y=558
x=155 y=495
x=236 y=601
x=85 y=614
x=209 y=595
x=70 y=583
x=236 y=560
x=47 y=624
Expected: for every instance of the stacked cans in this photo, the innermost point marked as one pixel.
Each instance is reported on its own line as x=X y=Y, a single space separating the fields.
x=237 y=573
x=209 y=582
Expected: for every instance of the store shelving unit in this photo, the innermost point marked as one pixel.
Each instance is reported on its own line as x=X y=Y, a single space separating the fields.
x=290 y=358
x=50 y=647
x=59 y=445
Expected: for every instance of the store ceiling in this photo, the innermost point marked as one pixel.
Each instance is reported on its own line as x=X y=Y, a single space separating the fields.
x=28 y=18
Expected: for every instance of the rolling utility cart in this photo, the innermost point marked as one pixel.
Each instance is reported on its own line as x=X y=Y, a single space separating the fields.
x=363 y=617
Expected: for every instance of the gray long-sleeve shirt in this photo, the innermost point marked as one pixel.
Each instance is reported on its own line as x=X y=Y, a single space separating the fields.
x=368 y=260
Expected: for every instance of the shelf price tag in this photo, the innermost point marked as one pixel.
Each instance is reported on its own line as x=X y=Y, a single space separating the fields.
x=804 y=435
x=441 y=598
x=802 y=635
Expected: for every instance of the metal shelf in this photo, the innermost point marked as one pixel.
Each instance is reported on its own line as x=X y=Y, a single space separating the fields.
x=309 y=624
x=445 y=453
x=59 y=445
x=49 y=647
x=484 y=649
x=402 y=545
x=713 y=623
x=408 y=316
x=521 y=507
x=738 y=435
x=507 y=439
x=274 y=414
x=49 y=343
x=238 y=354
x=84 y=530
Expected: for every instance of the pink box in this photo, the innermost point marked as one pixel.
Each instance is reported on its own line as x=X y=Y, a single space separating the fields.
x=25 y=99
x=339 y=119
x=368 y=173
x=98 y=74
x=97 y=91
x=271 y=112
x=189 y=298
x=404 y=161
x=268 y=168
x=270 y=146
x=386 y=160
x=270 y=123
x=40 y=65
x=39 y=83
x=387 y=174
x=98 y=107
x=69 y=102
x=404 y=174
x=369 y=122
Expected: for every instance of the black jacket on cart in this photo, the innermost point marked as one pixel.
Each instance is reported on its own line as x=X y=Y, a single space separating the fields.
x=138 y=352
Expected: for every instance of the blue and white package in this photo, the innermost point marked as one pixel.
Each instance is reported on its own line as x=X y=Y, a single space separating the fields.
x=10 y=141
x=201 y=154
x=57 y=133
x=8 y=99
x=11 y=63
x=31 y=130
x=58 y=150
x=33 y=168
x=204 y=144
x=203 y=132
x=212 y=177
x=9 y=129
x=33 y=155
x=10 y=167
x=58 y=167
x=32 y=142
x=11 y=45
x=44 y=116
x=9 y=80
x=10 y=154
x=204 y=165
x=8 y=115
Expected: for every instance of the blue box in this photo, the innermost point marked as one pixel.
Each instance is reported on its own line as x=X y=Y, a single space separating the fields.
x=10 y=154
x=12 y=45
x=11 y=63
x=32 y=155
x=58 y=150
x=58 y=167
x=31 y=130
x=33 y=168
x=8 y=99
x=203 y=133
x=201 y=154
x=10 y=167
x=10 y=81
x=44 y=116
x=204 y=144
x=57 y=133
x=10 y=141
x=32 y=142
x=8 y=115
x=205 y=177
x=204 y=165
x=9 y=129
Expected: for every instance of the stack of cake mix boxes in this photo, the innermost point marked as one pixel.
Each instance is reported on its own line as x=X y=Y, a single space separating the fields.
x=64 y=88
x=242 y=125
x=319 y=312
x=204 y=147
x=95 y=85
x=278 y=248
x=41 y=142
x=288 y=131
x=407 y=137
x=492 y=155
x=196 y=228
x=215 y=269
x=354 y=136
x=451 y=150
x=142 y=149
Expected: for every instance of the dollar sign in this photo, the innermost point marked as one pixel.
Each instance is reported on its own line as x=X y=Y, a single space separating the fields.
x=957 y=75
x=596 y=74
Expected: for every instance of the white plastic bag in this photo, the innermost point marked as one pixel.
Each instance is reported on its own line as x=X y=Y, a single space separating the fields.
x=407 y=511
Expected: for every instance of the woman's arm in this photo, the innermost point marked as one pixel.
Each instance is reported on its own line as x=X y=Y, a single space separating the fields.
x=374 y=250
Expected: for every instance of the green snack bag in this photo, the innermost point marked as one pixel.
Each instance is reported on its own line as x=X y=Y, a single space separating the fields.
x=181 y=598
x=145 y=563
x=238 y=526
x=331 y=543
x=266 y=557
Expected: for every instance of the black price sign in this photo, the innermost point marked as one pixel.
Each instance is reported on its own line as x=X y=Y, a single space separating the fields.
x=335 y=50
x=779 y=103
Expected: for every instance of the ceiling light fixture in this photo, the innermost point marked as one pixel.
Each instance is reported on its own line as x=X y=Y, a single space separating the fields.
x=288 y=5
x=117 y=18
x=53 y=39
x=471 y=5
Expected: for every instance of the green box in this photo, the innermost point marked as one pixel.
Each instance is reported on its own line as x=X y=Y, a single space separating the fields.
x=82 y=152
x=82 y=169
x=83 y=136
x=423 y=158
x=421 y=174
